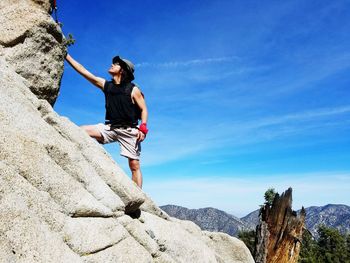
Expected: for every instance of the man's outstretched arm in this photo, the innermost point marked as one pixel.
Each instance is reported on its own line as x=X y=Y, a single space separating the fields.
x=97 y=81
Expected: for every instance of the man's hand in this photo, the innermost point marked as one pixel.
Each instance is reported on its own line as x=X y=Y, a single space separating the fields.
x=142 y=132
x=141 y=136
x=97 y=81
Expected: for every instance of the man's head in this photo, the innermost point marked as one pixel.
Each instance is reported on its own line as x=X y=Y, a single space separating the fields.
x=127 y=67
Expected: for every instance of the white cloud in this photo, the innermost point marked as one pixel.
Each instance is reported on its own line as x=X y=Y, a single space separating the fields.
x=193 y=62
x=301 y=116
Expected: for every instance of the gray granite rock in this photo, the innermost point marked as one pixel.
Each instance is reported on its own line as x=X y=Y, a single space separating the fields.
x=88 y=235
x=41 y=4
x=175 y=241
x=128 y=250
x=228 y=249
x=33 y=45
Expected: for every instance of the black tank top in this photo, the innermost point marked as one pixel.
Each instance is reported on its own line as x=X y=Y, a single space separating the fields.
x=120 y=110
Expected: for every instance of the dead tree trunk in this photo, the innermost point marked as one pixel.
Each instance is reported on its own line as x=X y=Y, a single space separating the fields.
x=279 y=233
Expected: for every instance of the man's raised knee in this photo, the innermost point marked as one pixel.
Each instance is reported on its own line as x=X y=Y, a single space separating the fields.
x=93 y=132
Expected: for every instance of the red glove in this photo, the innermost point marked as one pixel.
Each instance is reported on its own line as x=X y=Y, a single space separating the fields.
x=143 y=128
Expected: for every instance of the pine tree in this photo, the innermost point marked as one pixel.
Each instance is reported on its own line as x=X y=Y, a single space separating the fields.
x=270 y=195
x=309 y=248
x=331 y=246
x=248 y=237
x=348 y=246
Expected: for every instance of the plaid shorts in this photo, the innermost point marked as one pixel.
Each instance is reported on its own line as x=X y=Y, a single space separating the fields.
x=127 y=138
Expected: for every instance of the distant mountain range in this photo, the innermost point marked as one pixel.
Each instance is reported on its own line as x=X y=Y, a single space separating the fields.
x=335 y=216
x=211 y=219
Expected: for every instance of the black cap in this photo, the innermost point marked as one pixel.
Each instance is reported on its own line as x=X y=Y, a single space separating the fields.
x=126 y=65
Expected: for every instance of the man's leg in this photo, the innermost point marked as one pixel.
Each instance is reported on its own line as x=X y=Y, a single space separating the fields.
x=136 y=171
x=93 y=132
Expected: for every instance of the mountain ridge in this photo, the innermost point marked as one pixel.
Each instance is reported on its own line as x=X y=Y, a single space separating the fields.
x=331 y=215
x=227 y=223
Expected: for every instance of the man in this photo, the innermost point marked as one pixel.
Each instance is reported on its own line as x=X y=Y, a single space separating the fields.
x=125 y=105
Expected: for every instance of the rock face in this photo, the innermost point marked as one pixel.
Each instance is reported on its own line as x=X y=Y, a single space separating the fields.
x=33 y=45
x=62 y=197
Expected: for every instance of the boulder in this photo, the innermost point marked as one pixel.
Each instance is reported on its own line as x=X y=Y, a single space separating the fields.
x=34 y=45
x=44 y=5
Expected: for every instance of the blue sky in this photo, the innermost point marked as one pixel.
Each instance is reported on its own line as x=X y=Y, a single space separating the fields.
x=242 y=95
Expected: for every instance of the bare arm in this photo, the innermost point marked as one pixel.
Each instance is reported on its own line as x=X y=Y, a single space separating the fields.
x=97 y=81
x=140 y=101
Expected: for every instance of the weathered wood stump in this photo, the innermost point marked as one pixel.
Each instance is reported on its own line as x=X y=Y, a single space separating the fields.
x=279 y=233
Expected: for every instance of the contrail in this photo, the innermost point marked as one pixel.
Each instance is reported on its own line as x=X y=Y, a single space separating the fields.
x=187 y=63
